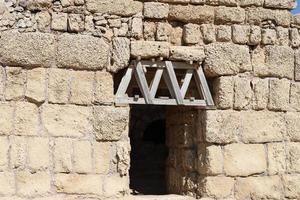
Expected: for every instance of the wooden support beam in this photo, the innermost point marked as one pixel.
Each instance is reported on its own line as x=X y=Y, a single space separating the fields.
x=186 y=82
x=203 y=86
x=155 y=82
x=142 y=82
x=125 y=82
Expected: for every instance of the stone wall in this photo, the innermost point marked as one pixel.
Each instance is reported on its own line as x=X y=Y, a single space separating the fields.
x=61 y=137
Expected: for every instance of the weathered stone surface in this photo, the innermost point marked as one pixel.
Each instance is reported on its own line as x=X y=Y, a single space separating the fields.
x=18 y=152
x=59 y=21
x=7 y=182
x=82 y=157
x=243 y=93
x=226 y=59
x=115 y=7
x=247 y=3
x=76 y=23
x=285 y=4
x=137 y=27
x=276 y=158
x=283 y=36
x=110 y=123
x=104 y=91
x=82 y=85
x=79 y=184
x=36 y=85
x=269 y=36
x=120 y=54
x=38 y=153
x=102 y=155
x=266 y=187
x=191 y=33
x=295 y=37
x=163 y=31
x=217 y=187
x=63 y=155
x=208 y=33
x=33 y=184
x=255 y=35
x=229 y=15
x=297 y=67
x=39 y=4
x=43 y=20
x=82 y=52
x=224 y=93
x=293 y=126
x=223 y=33
x=295 y=96
x=6 y=119
x=26 y=119
x=58 y=86
x=260 y=93
x=67 y=120
x=293 y=157
x=115 y=185
x=148 y=49
x=192 y=14
x=275 y=61
x=149 y=30
x=156 y=10
x=187 y=53
x=4 y=147
x=210 y=160
x=240 y=34
x=37 y=49
x=292 y=185
x=237 y=164
x=15 y=83
x=279 y=94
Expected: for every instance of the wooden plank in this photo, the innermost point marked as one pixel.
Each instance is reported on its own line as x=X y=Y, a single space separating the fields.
x=186 y=82
x=173 y=83
x=203 y=86
x=155 y=82
x=125 y=82
x=142 y=82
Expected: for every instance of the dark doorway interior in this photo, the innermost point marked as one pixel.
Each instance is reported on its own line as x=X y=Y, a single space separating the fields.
x=148 y=150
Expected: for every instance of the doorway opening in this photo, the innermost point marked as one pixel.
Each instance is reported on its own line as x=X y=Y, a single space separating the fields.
x=148 y=150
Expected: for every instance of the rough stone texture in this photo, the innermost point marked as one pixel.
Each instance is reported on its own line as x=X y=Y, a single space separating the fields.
x=217 y=187
x=279 y=94
x=67 y=120
x=156 y=10
x=285 y=4
x=58 y=86
x=191 y=33
x=210 y=160
x=293 y=162
x=63 y=155
x=295 y=96
x=82 y=52
x=120 y=54
x=237 y=164
x=102 y=155
x=297 y=67
x=18 y=152
x=228 y=15
x=82 y=157
x=36 y=85
x=292 y=186
x=26 y=119
x=104 y=91
x=243 y=93
x=15 y=83
x=6 y=120
x=4 y=146
x=187 y=53
x=110 y=123
x=226 y=59
x=38 y=4
x=276 y=158
x=38 y=153
x=59 y=21
x=293 y=126
x=148 y=49
x=38 y=49
x=7 y=181
x=224 y=93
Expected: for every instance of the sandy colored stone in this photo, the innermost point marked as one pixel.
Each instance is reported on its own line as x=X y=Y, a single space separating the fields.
x=224 y=93
x=292 y=185
x=18 y=152
x=210 y=160
x=163 y=31
x=33 y=184
x=110 y=123
x=260 y=93
x=58 y=86
x=123 y=150
x=283 y=36
x=192 y=14
x=156 y=10
x=115 y=7
x=149 y=30
x=293 y=126
x=36 y=85
x=79 y=184
x=15 y=83
x=295 y=37
x=63 y=155
x=120 y=54
x=43 y=20
x=242 y=93
x=7 y=182
x=37 y=49
x=237 y=164
x=26 y=119
x=297 y=67
x=148 y=49
x=104 y=92
x=240 y=34
x=229 y=15
x=75 y=23
x=82 y=52
x=187 y=53
x=295 y=96
x=226 y=59
x=223 y=33
x=285 y=4
x=67 y=120
x=208 y=33
x=279 y=94
x=59 y=21
x=4 y=147
x=276 y=158
x=2 y=82
x=265 y=187
x=251 y=2
x=6 y=119
x=115 y=185
x=137 y=28
x=269 y=36
x=191 y=33
x=293 y=157
x=176 y=36
x=39 y=4
x=102 y=155
x=217 y=187
x=82 y=84
x=38 y=153
x=82 y=157
x=255 y=35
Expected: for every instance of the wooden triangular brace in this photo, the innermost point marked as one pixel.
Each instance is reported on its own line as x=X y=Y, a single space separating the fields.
x=169 y=72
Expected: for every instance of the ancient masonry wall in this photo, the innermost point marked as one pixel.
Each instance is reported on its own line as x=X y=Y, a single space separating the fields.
x=61 y=137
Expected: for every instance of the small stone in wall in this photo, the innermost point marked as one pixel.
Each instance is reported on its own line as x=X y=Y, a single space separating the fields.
x=283 y=36
x=148 y=49
x=120 y=53
x=208 y=33
x=149 y=30
x=295 y=37
x=187 y=53
x=75 y=23
x=137 y=28
x=156 y=10
x=163 y=31
x=255 y=35
x=269 y=36
x=191 y=33
x=223 y=33
x=240 y=34
x=59 y=21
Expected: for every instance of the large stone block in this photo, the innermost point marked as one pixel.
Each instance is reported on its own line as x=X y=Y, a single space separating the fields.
x=6 y=119
x=67 y=120
x=38 y=153
x=284 y=4
x=4 y=147
x=260 y=93
x=39 y=4
x=226 y=59
x=102 y=155
x=37 y=49
x=210 y=160
x=15 y=83
x=120 y=54
x=292 y=186
x=115 y=7
x=191 y=33
x=115 y=185
x=63 y=155
x=82 y=157
x=36 y=85
x=59 y=85
x=79 y=184
x=243 y=93
x=110 y=123
x=293 y=126
x=279 y=94
x=297 y=67
x=18 y=152
x=192 y=14
x=156 y=10
x=104 y=90
x=224 y=93
x=293 y=157
x=26 y=119
x=148 y=49
x=82 y=52
x=7 y=182
x=247 y=3
x=265 y=187
x=295 y=96
x=237 y=164
x=187 y=53
x=217 y=187
x=229 y=15
x=276 y=158
x=29 y=184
